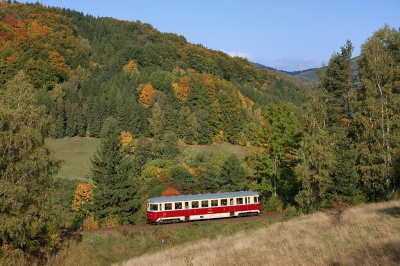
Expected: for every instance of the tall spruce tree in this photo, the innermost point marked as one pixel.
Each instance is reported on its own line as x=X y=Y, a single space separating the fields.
x=27 y=216
x=115 y=193
x=326 y=144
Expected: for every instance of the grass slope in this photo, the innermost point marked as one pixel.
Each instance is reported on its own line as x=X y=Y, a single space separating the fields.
x=367 y=235
x=74 y=154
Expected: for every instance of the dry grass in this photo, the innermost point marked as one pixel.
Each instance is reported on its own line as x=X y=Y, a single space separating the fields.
x=367 y=235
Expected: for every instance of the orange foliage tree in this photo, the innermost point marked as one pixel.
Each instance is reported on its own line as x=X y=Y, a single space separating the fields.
x=90 y=222
x=170 y=192
x=146 y=95
x=182 y=89
x=83 y=194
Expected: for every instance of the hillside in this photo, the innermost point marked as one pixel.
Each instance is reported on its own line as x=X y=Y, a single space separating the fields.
x=86 y=69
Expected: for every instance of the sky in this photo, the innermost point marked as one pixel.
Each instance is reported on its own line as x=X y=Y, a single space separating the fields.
x=288 y=35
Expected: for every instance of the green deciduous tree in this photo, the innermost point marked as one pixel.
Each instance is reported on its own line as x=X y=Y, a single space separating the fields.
x=27 y=216
x=377 y=113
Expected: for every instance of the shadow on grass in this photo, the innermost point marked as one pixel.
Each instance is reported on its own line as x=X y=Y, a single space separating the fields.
x=380 y=253
x=393 y=211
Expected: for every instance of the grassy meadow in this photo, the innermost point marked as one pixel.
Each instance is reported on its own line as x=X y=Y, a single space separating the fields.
x=74 y=154
x=365 y=235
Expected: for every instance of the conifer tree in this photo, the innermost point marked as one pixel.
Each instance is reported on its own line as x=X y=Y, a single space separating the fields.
x=326 y=145
x=233 y=175
x=114 y=195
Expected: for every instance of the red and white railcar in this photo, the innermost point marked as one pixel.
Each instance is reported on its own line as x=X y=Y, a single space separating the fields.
x=202 y=206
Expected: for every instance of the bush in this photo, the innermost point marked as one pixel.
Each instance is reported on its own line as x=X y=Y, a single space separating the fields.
x=290 y=212
x=274 y=204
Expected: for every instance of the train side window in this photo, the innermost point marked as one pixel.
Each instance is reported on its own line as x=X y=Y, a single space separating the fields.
x=214 y=203
x=195 y=204
x=245 y=200
x=178 y=205
x=231 y=202
x=186 y=205
x=204 y=203
x=255 y=199
x=224 y=202
x=168 y=206
x=239 y=201
x=153 y=207
x=160 y=207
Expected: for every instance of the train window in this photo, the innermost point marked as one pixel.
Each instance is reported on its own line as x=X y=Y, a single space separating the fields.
x=168 y=206
x=255 y=199
x=231 y=200
x=186 y=205
x=214 y=202
x=224 y=202
x=239 y=200
x=245 y=200
x=204 y=203
x=153 y=207
x=178 y=205
x=195 y=204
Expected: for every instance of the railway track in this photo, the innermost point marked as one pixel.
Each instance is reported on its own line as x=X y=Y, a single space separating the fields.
x=146 y=227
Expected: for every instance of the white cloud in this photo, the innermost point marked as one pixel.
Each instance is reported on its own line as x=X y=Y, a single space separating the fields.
x=239 y=54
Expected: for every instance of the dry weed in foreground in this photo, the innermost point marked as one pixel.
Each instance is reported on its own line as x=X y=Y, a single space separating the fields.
x=369 y=235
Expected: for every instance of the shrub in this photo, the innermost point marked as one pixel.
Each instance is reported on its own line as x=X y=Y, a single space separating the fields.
x=290 y=212
x=274 y=204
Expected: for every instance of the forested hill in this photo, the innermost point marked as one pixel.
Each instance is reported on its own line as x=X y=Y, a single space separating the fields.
x=86 y=69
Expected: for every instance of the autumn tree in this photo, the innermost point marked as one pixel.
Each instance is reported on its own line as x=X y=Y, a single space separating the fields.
x=127 y=142
x=182 y=88
x=146 y=93
x=82 y=203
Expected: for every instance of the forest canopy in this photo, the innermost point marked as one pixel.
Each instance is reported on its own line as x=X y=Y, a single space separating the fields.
x=143 y=92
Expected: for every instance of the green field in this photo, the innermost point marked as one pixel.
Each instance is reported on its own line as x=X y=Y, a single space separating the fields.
x=75 y=154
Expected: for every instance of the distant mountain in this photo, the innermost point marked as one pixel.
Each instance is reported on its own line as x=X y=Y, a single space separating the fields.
x=305 y=78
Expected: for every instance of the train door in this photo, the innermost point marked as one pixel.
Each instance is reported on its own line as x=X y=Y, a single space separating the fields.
x=231 y=207
x=247 y=203
x=186 y=211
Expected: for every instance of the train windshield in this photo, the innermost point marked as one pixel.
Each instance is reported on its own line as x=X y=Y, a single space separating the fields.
x=153 y=207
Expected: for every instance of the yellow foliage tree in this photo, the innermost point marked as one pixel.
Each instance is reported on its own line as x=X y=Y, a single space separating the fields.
x=112 y=221
x=182 y=89
x=131 y=68
x=127 y=142
x=83 y=194
x=90 y=223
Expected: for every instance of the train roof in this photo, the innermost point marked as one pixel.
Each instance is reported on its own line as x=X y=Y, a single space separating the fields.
x=203 y=196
